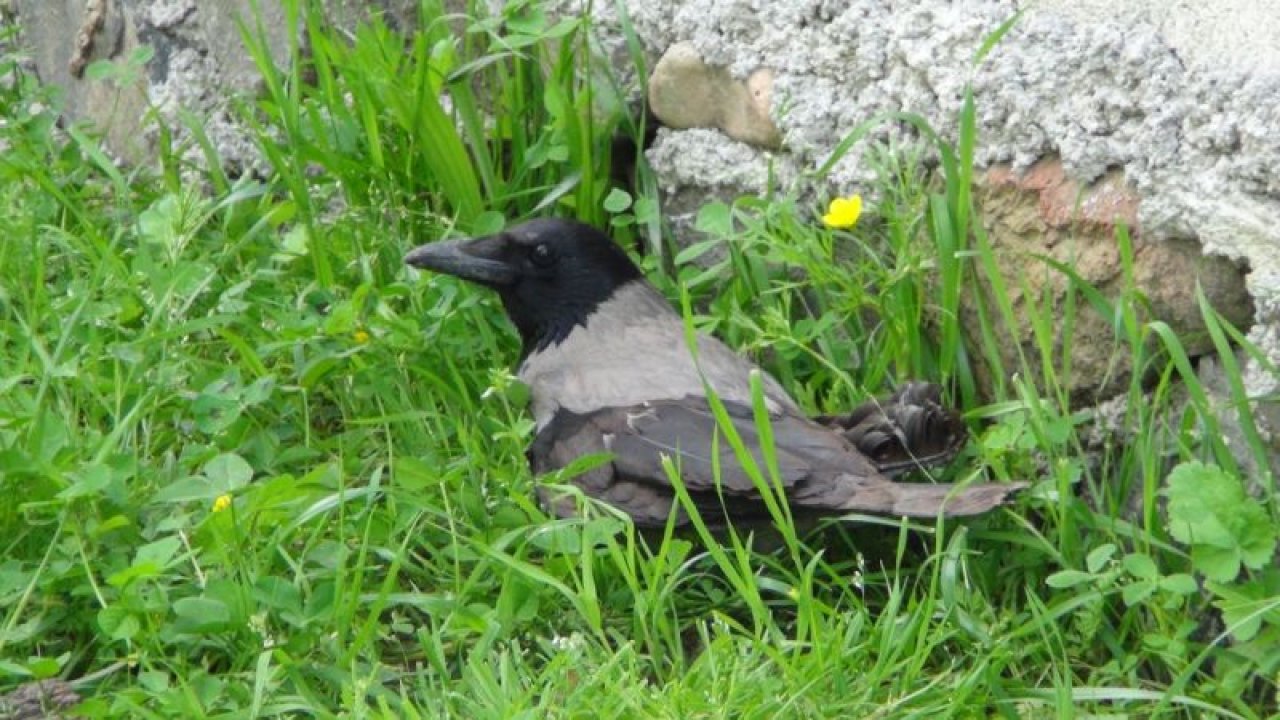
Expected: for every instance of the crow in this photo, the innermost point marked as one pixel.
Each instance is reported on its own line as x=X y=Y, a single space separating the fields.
x=609 y=372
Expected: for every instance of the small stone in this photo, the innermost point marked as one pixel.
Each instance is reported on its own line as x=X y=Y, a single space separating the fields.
x=685 y=92
x=165 y=14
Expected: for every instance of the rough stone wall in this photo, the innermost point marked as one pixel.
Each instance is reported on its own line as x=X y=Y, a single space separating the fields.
x=1182 y=101
x=1101 y=94
x=199 y=62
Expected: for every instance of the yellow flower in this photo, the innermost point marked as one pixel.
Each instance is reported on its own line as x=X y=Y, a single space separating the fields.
x=361 y=337
x=843 y=212
x=222 y=502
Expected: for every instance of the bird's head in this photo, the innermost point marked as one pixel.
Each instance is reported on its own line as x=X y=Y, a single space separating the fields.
x=551 y=274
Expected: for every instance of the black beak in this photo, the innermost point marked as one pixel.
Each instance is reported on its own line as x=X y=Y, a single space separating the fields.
x=477 y=260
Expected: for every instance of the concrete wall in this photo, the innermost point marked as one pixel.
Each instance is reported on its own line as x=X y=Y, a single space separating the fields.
x=1179 y=100
x=199 y=62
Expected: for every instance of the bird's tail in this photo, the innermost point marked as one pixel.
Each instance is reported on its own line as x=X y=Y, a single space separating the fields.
x=925 y=500
x=907 y=430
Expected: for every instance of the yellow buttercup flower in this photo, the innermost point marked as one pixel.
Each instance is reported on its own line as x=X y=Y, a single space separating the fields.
x=843 y=212
x=222 y=502
x=361 y=337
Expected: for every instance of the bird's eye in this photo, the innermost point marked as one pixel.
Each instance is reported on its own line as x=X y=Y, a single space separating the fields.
x=542 y=255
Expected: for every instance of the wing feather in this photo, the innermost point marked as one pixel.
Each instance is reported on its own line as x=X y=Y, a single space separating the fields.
x=816 y=467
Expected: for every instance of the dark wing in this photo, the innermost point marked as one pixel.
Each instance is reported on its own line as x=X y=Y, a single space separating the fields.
x=686 y=431
x=569 y=437
x=816 y=467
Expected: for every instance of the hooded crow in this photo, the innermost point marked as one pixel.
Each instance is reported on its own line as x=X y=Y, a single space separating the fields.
x=609 y=371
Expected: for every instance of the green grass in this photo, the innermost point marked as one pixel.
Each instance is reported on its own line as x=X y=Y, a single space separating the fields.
x=176 y=336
